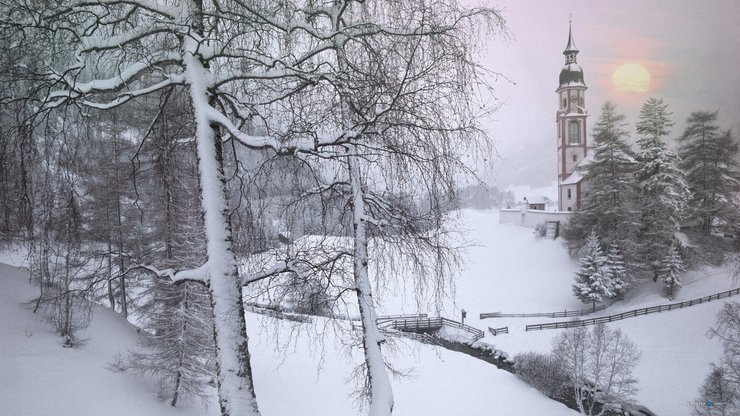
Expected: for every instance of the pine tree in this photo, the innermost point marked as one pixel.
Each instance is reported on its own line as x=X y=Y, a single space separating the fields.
x=708 y=158
x=593 y=279
x=608 y=207
x=662 y=188
x=670 y=271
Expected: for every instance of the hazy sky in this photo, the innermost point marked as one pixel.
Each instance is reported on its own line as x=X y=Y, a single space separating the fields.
x=690 y=48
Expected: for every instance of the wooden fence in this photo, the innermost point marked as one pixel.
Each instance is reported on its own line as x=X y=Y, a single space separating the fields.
x=560 y=314
x=383 y=318
x=496 y=331
x=424 y=324
x=633 y=313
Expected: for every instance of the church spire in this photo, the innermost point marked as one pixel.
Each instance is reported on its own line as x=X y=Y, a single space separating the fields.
x=572 y=74
x=570 y=51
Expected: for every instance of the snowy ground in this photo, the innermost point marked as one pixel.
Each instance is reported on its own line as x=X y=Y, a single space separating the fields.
x=40 y=378
x=508 y=270
x=512 y=271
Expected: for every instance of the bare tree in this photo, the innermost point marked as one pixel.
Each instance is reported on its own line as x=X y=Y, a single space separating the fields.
x=397 y=85
x=599 y=366
x=720 y=393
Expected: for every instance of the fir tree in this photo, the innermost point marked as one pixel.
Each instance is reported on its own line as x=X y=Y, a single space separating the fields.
x=708 y=158
x=615 y=264
x=593 y=279
x=662 y=188
x=608 y=204
x=670 y=271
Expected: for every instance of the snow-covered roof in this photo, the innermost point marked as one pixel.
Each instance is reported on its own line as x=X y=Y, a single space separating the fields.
x=537 y=200
x=573 y=179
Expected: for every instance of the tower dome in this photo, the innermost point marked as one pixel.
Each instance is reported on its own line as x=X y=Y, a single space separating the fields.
x=571 y=75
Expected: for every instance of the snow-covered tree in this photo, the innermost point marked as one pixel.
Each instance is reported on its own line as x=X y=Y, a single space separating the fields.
x=348 y=81
x=609 y=204
x=720 y=392
x=663 y=192
x=177 y=343
x=594 y=280
x=619 y=276
x=670 y=271
x=392 y=84
x=598 y=364
x=709 y=159
x=717 y=396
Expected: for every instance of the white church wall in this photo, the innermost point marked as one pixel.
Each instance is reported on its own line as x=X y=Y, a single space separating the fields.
x=531 y=218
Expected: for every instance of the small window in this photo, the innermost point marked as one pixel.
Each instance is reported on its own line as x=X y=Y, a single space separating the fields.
x=570 y=209
x=565 y=103
x=575 y=158
x=569 y=193
x=574 y=133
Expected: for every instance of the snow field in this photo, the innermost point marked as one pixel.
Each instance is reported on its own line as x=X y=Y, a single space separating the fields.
x=508 y=270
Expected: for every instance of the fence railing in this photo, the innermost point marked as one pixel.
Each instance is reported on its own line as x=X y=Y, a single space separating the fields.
x=382 y=318
x=425 y=323
x=633 y=313
x=560 y=314
x=496 y=331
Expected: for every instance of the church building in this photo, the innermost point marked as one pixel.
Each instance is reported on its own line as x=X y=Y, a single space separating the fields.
x=571 y=125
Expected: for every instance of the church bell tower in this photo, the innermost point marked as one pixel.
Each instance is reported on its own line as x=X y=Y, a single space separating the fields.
x=571 y=124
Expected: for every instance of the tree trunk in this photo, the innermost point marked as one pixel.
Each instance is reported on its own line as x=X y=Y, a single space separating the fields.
x=380 y=391
x=234 y=373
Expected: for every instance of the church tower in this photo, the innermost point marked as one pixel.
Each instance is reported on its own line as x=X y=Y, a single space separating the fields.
x=571 y=124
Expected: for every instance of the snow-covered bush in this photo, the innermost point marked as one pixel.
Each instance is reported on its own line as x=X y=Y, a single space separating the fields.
x=543 y=372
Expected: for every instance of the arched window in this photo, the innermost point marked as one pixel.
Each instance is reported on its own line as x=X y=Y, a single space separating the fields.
x=574 y=132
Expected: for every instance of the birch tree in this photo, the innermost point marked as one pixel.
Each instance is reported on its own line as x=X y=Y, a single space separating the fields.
x=104 y=54
x=396 y=78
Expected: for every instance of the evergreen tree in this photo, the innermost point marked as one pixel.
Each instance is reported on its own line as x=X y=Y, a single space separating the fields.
x=615 y=263
x=178 y=346
x=670 y=271
x=593 y=279
x=662 y=188
x=708 y=158
x=609 y=201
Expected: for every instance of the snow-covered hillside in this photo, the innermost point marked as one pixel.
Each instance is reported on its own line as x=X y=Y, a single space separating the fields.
x=40 y=378
x=508 y=270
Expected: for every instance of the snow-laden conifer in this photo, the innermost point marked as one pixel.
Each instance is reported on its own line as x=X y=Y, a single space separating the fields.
x=709 y=160
x=615 y=263
x=663 y=192
x=670 y=271
x=593 y=279
x=608 y=206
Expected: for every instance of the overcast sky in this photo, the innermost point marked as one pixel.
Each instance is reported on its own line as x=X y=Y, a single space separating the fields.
x=690 y=48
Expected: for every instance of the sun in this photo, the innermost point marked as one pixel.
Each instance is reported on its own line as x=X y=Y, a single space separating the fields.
x=631 y=78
